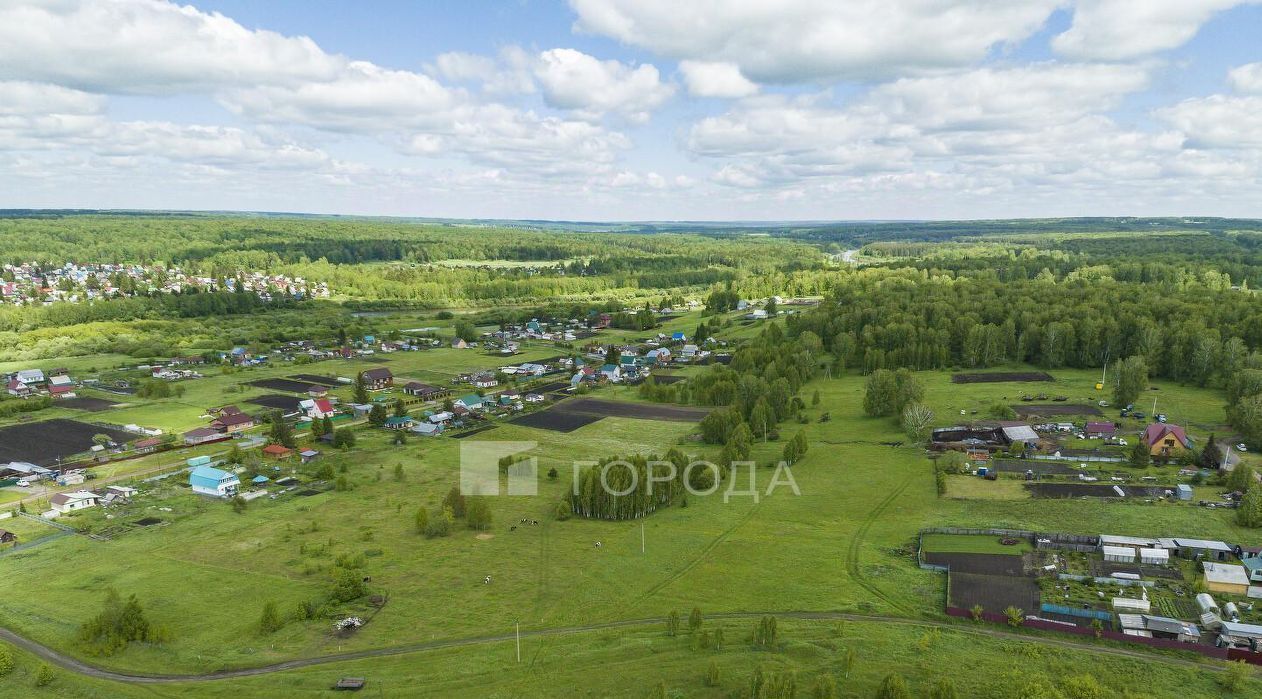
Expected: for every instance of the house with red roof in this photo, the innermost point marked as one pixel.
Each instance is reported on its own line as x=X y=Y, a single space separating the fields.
x=1166 y=440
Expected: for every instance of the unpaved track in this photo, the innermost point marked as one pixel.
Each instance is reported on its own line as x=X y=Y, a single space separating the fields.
x=88 y=670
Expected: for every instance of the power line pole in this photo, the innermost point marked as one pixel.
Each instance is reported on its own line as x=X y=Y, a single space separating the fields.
x=519 y=641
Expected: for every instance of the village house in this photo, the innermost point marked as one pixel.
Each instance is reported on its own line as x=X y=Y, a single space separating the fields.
x=208 y=480
x=1226 y=578
x=470 y=402
x=1166 y=440
x=71 y=502
x=425 y=391
x=201 y=435
x=459 y=343
x=484 y=379
x=428 y=429
x=377 y=378
x=229 y=423
x=398 y=422
x=317 y=409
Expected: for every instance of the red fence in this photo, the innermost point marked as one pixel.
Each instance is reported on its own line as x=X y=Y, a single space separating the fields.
x=1168 y=644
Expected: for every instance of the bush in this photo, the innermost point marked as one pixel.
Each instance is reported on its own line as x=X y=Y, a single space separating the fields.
x=44 y=676
x=7 y=665
x=270 y=621
x=439 y=525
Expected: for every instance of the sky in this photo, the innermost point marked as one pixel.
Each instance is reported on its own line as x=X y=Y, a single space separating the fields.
x=647 y=110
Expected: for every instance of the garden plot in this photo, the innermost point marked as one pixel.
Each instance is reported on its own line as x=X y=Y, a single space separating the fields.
x=277 y=402
x=1026 y=410
x=282 y=385
x=43 y=443
x=311 y=379
x=1002 y=377
x=1087 y=490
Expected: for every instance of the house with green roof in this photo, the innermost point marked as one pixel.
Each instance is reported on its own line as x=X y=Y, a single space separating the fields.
x=398 y=422
x=470 y=402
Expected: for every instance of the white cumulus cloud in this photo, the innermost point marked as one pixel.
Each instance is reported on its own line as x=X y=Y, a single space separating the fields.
x=1123 y=29
x=576 y=81
x=707 y=79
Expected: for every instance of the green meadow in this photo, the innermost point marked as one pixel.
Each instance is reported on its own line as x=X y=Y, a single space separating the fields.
x=846 y=544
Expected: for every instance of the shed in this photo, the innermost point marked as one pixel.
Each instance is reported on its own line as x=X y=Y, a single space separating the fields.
x=277 y=451
x=1118 y=554
x=1156 y=557
x=7 y=537
x=1242 y=632
x=1226 y=578
x=1192 y=548
x=1133 y=605
x=1184 y=491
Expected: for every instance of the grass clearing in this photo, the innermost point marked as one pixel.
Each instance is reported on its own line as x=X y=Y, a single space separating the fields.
x=952 y=543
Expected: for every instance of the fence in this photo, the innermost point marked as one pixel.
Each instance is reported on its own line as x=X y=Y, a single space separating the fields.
x=1233 y=654
x=1080 y=613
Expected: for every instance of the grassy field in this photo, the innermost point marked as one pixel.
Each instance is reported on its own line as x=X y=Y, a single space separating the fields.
x=630 y=664
x=846 y=544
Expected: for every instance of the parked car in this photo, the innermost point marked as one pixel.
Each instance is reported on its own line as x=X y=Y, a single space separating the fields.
x=24 y=484
x=1241 y=447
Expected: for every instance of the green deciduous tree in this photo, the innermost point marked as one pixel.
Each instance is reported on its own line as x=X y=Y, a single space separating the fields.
x=1139 y=456
x=880 y=394
x=1250 y=512
x=1131 y=376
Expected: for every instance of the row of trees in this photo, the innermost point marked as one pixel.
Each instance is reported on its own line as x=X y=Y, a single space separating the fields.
x=915 y=318
x=620 y=488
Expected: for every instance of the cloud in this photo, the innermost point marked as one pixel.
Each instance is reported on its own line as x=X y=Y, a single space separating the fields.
x=362 y=97
x=1247 y=78
x=1124 y=29
x=792 y=41
x=997 y=98
x=148 y=47
x=509 y=72
x=1217 y=121
x=705 y=79
x=576 y=81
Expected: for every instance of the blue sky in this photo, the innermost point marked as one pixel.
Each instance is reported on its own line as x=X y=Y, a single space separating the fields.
x=636 y=109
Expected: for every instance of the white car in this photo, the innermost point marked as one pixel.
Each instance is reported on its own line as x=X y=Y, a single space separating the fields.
x=1241 y=447
x=1121 y=442
x=23 y=484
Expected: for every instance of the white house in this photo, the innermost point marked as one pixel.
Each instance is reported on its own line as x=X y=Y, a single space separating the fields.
x=212 y=481
x=30 y=376
x=71 y=502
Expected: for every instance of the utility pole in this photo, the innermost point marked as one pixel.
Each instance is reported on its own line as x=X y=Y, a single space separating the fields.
x=641 y=537
x=519 y=641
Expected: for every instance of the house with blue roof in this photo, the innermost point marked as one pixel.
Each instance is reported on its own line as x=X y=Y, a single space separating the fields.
x=612 y=372
x=678 y=336
x=208 y=480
